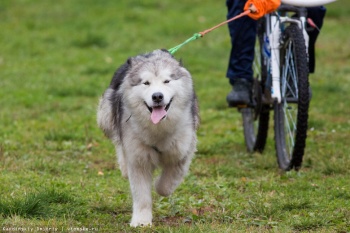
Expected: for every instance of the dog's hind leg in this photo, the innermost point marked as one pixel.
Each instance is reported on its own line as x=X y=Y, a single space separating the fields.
x=140 y=178
x=172 y=175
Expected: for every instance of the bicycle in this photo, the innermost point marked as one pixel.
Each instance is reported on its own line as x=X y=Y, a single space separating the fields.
x=281 y=85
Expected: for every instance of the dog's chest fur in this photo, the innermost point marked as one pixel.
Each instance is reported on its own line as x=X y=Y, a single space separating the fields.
x=164 y=138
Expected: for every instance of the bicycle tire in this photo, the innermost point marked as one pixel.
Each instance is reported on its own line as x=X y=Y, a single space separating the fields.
x=256 y=119
x=291 y=115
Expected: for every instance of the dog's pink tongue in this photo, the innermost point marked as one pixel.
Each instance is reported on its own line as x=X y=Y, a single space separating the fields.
x=157 y=114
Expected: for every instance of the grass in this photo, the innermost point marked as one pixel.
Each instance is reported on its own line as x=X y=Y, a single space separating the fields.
x=57 y=170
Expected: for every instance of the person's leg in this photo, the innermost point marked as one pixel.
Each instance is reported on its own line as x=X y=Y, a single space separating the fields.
x=239 y=72
x=316 y=14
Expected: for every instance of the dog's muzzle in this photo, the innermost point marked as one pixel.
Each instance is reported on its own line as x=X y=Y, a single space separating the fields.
x=158 y=111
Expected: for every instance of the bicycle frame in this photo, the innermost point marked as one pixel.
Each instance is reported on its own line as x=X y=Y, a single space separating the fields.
x=274 y=25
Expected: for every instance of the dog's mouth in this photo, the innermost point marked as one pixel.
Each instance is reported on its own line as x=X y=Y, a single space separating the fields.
x=158 y=112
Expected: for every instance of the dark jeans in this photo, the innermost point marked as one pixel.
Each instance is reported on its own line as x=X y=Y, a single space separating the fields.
x=243 y=33
x=316 y=14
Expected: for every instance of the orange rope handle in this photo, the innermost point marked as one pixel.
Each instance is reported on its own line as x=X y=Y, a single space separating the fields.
x=225 y=22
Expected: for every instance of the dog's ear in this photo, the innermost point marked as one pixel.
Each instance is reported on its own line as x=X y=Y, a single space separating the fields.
x=166 y=51
x=119 y=75
x=132 y=61
x=129 y=61
x=134 y=80
x=181 y=63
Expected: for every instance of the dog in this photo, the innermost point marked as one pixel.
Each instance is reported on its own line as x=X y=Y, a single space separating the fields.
x=150 y=113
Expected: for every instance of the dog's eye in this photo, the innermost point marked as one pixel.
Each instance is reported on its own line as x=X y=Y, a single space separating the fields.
x=167 y=81
x=146 y=83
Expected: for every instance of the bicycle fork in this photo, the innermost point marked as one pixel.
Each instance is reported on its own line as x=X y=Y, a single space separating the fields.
x=274 y=34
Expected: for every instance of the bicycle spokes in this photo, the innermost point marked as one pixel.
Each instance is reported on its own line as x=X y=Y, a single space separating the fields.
x=289 y=83
x=289 y=77
x=290 y=114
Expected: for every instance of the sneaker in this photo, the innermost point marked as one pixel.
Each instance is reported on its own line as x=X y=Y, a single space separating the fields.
x=240 y=94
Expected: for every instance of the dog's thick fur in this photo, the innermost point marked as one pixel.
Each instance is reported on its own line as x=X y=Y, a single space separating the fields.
x=132 y=112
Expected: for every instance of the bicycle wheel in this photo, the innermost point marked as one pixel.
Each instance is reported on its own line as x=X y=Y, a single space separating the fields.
x=256 y=117
x=291 y=115
x=255 y=127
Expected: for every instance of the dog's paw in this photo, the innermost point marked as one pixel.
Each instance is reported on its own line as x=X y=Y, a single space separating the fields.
x=140 y=224
x=162 y=188
x=141 y=219
x=163 y=191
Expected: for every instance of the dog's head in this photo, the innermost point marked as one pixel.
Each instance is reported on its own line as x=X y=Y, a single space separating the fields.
x=156 y=81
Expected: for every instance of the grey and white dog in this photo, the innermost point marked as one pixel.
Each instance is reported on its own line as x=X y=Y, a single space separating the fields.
x=150 y=113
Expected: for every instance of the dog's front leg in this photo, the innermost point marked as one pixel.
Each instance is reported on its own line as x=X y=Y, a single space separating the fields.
x=122 y=161
x=172 y=175
x=140 y=178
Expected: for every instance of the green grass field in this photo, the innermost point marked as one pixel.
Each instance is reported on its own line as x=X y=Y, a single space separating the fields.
x=59 y=172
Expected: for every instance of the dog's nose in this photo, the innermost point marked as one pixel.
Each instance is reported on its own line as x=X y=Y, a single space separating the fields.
x=157 y=97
